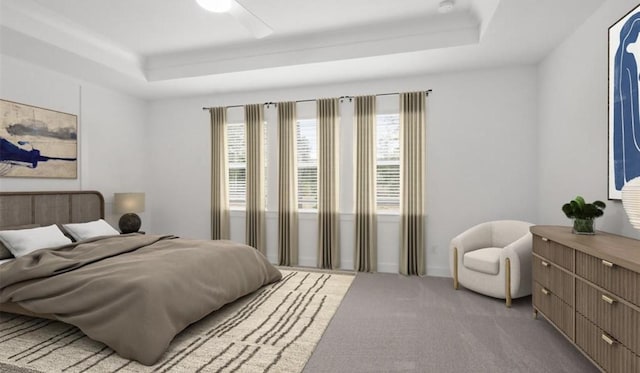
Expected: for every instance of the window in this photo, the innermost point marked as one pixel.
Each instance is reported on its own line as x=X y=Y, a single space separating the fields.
x=237 y=158
x=388 y=162
x=307 y=164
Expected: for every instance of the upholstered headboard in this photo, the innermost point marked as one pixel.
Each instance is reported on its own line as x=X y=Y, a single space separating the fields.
x=46 y=208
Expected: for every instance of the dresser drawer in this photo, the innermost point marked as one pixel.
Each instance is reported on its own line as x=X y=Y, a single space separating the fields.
x=559 y=282
x=614 y=278
x=605 y=310
x=554 y=252
x=557 y=311
x=605 y=351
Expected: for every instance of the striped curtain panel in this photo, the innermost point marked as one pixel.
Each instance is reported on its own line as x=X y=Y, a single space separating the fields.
x=255 y=210
x=287 y=185
x=328 y=214
x=219 y=175
x=365 y=184
x=412 y=182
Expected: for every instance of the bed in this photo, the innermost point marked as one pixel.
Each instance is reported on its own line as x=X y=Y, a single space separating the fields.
x=132 y=292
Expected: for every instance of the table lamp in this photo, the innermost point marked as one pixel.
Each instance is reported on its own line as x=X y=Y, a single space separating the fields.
x=129 y=204
x=631 y=201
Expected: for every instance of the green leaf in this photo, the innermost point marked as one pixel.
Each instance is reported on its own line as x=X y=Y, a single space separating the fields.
x=576 y=207
x=579 y=209
x=590 y=210
x=568 y=211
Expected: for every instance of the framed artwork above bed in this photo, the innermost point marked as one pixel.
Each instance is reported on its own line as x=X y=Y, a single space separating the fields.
x=37 y=142
x=624 y=102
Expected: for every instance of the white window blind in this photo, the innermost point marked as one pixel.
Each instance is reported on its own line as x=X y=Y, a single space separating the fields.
x=237 y=158
x=306 y=134
x=388 y=162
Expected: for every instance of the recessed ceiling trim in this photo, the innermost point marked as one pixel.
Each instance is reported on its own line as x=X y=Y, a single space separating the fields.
x=484 y=10
x=316 y=55
x=296 y=58
x=407 y=36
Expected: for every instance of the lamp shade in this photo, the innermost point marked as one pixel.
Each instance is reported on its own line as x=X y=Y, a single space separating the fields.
x=631 y=201
x=128 y=202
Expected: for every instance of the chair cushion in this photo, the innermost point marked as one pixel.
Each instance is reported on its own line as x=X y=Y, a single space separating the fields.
x=483 y=260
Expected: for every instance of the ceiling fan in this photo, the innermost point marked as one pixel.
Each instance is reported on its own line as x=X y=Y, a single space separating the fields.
x=250 y=21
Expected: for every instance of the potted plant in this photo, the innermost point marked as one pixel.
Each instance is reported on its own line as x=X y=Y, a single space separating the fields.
x=583 y=214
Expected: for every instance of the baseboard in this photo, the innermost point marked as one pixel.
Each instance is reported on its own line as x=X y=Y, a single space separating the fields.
x=310 y=263
x=438 y=272
x=319 y=270
x=388 y=267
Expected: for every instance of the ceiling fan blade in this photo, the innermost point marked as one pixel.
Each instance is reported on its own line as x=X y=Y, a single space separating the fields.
x=250 y=21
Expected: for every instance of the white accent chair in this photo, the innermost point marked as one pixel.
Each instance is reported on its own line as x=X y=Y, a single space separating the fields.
x=493 y=258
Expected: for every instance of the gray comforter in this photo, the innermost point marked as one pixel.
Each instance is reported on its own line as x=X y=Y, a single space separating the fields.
x=134 y=292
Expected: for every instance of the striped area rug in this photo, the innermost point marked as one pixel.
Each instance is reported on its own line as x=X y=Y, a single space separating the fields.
x=272 y=330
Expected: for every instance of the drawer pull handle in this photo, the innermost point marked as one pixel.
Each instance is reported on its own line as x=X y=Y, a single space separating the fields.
x=610 y=341
x=607 y=264
x=544 y=264
x=544 y=291
x=545 y=239
x=607 y=299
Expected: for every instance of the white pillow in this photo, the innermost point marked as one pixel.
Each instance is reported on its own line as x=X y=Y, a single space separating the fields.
x=83 y=231
x=24 y=241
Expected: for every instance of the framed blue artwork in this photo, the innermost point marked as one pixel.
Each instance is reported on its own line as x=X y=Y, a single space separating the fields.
x=37 y=142
x=624 y=101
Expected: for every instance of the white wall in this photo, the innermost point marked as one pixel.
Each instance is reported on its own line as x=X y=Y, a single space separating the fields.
x=573 y=134
x=111 y=126
x=482 y=161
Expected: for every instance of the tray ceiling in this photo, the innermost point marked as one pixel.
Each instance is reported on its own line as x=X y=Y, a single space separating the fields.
x=161 y=48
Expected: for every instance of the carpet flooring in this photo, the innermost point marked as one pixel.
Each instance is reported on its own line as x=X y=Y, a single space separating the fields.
x=272 y=330
x=392 y=323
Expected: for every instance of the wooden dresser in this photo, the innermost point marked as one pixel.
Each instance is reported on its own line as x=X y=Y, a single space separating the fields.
x=588 y=287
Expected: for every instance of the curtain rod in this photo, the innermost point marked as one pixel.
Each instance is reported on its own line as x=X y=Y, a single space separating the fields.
x=267 y=104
